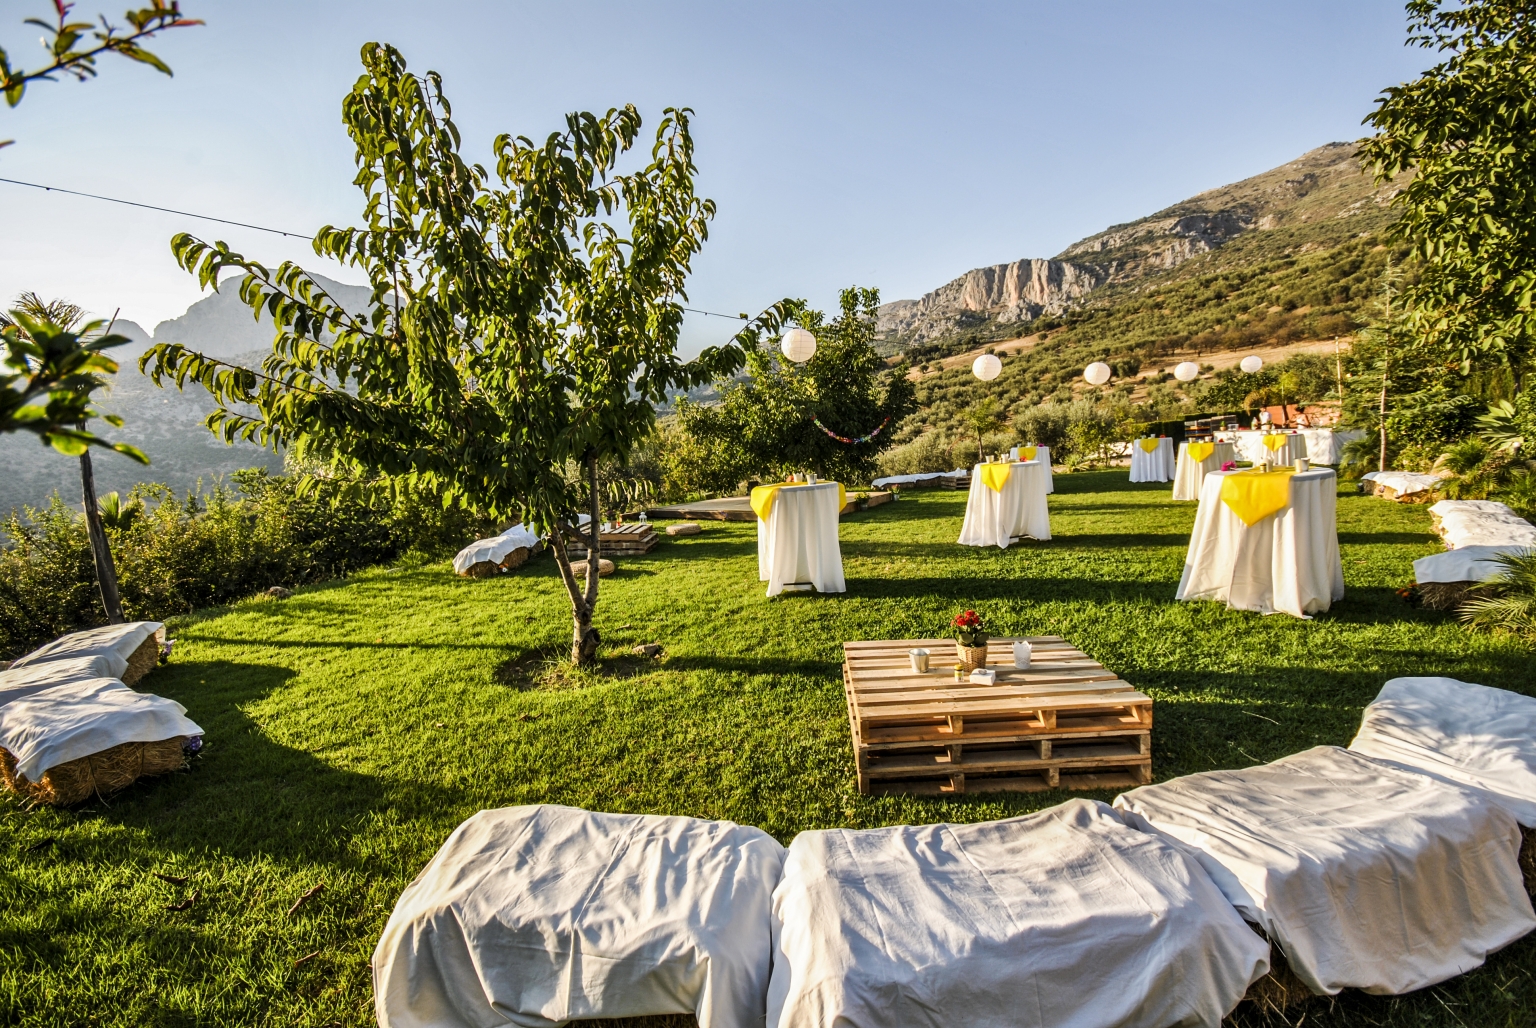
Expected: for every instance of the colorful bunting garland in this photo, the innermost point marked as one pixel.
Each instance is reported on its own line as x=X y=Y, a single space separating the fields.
x=844 y=439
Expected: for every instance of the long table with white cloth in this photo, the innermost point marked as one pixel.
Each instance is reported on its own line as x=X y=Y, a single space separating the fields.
x=1196 y=460
x=1266 y=542
x=1006 y=503
x=1152 y=459
x=797 y=542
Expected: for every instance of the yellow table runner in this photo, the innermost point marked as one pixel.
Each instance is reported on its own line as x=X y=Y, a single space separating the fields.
x=1255 y=495
x=763 y=497
x=995 y=476
x=1199 y=451
x=1274 y=442
x=1028 y=452
x=1149 y=445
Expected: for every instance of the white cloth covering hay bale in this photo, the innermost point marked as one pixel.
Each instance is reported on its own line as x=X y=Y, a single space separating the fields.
x=486 y=557
x=1366 y=875
x=66 y=744
x=1464 y=523
x=34 y=678
x=137 y=642
x=1062 y=918
x=1402 y=486
x=1445 y=579
x=684 y=528
x=540 y=915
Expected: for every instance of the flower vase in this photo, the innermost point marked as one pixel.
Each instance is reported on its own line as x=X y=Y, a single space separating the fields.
x=971 y=657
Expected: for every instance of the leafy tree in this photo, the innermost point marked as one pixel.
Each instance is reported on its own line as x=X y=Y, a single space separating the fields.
x=1466 y=131
x=48 y=328
x=780 y=418
x=983 y=417
x=512 y=331
x=73 y=46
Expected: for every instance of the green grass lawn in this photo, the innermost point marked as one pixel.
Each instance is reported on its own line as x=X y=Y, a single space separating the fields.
x=350 y=728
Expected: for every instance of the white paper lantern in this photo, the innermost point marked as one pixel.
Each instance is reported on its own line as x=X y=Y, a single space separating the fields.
x=1096 y=373
x=1188 y=371
x=986 y=367
x=1251 y=363
x=798 y=345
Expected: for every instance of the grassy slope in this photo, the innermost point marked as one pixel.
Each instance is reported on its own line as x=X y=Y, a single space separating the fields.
x=351 y=727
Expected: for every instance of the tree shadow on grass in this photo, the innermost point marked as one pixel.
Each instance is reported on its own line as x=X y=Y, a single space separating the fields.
x=976 y=589
x=244 y=794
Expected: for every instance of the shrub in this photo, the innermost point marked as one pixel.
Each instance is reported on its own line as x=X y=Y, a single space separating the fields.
x=177 y=555
x=1473 y=470
x=929 y=453
x=1506 y=602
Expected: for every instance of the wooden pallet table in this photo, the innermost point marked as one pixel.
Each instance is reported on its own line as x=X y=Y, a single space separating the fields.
x=620 y=541
x=1064 y=723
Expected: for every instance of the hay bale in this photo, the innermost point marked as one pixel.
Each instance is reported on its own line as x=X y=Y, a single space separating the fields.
x=604 y=568
x=1528 y=858
x=144 y=659
x=99 y=774
x=1280 y=988
x=1443 y=595
x=516 y=559
x=277 y=592
x=684 y=528
x=487 y=568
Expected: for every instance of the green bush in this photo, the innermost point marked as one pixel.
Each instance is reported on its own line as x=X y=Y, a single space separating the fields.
x=177 y=555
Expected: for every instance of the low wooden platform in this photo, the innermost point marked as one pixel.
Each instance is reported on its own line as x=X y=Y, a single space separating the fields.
x=739 y=508
x=619 y=541
x=1064 y=723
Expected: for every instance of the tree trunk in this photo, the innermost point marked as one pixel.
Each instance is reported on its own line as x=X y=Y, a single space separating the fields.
x=981 y=458
x=1381 y=462
x=106 y=571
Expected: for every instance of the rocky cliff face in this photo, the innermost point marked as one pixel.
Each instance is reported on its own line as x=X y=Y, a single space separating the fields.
x=1004 y=293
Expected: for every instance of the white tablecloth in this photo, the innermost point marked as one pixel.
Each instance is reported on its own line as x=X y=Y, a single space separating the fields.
x=1251 y=448
x=1156 y=466
x=998 y=518
x=1326 y=445
x=1287 y=562
x=83 y=717
x=881 y=483
x=1189 y=476
x=1043 y=455
x=798 y=543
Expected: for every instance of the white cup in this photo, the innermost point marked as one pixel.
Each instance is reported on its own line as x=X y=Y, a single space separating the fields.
x=1023 y=653
x=919 y=659
x=811 y=479
x=1303 y=464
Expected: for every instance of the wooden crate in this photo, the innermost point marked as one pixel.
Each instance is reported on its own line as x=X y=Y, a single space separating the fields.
x=620 y=541
x=1065 y=723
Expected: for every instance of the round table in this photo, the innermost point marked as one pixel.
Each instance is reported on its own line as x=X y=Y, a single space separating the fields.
x=797 y=542
x=1287 y=562
x=1043 y=455
x=999 y=512
x=1189 y=475
x=1156 y=466
x=1251 y=447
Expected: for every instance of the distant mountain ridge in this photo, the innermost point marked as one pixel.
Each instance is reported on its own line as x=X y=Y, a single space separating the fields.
x=1325 y=190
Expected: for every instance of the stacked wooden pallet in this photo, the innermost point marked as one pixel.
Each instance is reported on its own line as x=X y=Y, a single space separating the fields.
x=1065 y=723
x=620 y=541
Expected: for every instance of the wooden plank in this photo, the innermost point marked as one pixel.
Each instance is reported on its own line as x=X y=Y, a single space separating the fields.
x=1022 y=783
x=916 y=736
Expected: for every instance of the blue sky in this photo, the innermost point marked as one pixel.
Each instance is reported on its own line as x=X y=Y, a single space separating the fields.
x=893 y=145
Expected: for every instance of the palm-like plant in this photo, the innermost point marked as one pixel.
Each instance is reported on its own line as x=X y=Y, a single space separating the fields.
x=1507 y=601
x=1473 y=469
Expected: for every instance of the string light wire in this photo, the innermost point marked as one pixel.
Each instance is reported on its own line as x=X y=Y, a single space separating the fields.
x=245 y=224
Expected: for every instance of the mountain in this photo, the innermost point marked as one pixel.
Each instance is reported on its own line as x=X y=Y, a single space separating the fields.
x=166 y=423
x=1318 y=201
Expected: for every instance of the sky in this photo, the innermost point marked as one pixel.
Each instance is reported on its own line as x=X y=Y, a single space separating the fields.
x=894 y=145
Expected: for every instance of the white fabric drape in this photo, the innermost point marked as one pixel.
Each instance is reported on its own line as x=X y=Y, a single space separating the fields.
x=1189 y=475
x=798 y=543
x=496 y=548
x=83 y=717
x=540 y=915
x=1043 y=455
x=1464 y=733
x=115 y=640
x=1367 y=875
x=998 y=518
x=34 y=678
x=1156 y=466
x=1061 y=919
x=1464 y=564
x=1287 y=562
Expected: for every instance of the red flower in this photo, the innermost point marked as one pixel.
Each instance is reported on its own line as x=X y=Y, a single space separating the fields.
x=970 y=619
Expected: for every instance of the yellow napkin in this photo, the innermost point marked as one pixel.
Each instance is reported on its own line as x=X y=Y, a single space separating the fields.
x=1274 y=442
x=1028 y=452
x=763 y=496
x=1199 y=451
x=1149 y=445
x=1255 y=495
x=995 y=476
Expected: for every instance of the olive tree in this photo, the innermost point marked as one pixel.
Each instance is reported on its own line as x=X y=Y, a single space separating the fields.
x=512 y=330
